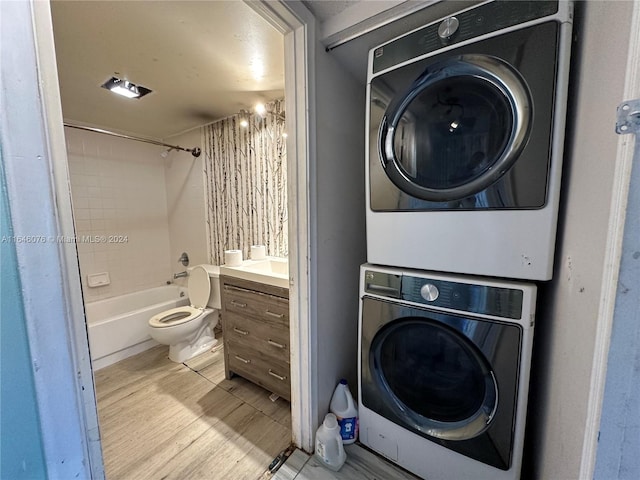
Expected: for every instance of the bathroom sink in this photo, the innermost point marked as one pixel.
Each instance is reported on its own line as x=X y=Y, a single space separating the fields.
x=271 y=271
x=271 y=265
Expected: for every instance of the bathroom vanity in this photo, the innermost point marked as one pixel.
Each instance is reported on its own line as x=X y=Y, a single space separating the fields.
x=255 y=327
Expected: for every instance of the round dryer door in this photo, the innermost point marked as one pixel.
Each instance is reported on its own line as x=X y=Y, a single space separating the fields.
x=458 y=128
x=434 y=378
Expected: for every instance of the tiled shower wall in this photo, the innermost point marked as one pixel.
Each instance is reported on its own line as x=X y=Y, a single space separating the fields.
x=120 y=201
x=145 y=210
x=184 y=175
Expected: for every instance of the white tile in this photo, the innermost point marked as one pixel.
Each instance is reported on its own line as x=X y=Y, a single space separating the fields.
x=91 y=180
x=79 y=191
x=82 y=214
x=96 y=213
x=91 y=167
x=109 y=213
x=80 y=202
x=97 y=226
x=82 y=225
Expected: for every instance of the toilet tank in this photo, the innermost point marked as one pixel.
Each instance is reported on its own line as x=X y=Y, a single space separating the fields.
x=214 y=279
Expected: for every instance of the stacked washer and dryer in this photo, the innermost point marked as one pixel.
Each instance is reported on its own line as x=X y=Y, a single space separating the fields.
x=465 y=133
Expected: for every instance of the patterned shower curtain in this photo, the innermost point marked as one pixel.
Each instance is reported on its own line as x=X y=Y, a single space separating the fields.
x=246 y=185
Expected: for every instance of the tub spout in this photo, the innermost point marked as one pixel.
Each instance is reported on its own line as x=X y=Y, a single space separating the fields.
x=180 y=275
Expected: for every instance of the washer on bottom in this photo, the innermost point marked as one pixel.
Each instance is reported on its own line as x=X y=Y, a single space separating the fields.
x=443 y=373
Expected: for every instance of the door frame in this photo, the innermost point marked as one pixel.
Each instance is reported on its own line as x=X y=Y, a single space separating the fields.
x=299 y=29
x=67 y=345
x=298 y=26
x=613 y=257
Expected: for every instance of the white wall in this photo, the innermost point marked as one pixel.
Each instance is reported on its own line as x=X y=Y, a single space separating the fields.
x=118 y=192
x=569 y=311
x=569 y=307
x=184 y=177
x=34 y=163
x=339 y=240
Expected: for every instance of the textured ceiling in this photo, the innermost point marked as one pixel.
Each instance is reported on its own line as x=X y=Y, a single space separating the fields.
x=204 y=60
x=324 y=10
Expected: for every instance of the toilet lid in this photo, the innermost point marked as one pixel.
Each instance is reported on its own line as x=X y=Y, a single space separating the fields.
x=175 y=316
x=199 y=287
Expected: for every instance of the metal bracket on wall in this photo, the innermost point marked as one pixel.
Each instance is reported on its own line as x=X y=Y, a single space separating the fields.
x=628 y=117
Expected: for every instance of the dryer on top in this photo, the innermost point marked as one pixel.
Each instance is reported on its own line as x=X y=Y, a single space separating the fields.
x=465 y=132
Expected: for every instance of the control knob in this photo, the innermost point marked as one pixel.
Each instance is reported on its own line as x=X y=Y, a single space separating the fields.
x=448 y=27
x=429 y=292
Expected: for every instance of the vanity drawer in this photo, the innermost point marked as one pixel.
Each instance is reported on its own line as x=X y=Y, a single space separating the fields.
x=259 y=368
x=258 y=335
x=273 y=310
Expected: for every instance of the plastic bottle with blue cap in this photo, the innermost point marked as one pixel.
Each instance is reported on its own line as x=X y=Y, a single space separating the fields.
x=345 y=410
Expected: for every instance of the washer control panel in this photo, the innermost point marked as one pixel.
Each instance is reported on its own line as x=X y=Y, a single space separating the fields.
x=448 y=27
x=446 y=294
x=429 y=292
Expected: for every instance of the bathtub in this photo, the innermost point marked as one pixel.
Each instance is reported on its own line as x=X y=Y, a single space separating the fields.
x=117 y=326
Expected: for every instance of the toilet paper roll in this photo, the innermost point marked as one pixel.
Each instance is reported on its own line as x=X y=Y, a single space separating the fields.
x=233 y=258
x=258 y=252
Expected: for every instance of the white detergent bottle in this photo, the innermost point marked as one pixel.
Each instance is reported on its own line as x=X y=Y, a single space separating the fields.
x=329 y=449
x=345 y=410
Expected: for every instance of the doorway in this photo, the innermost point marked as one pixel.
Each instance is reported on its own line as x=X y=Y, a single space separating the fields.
x=54 y=29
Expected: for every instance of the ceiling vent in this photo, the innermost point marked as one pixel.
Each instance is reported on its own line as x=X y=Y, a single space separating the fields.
x=125 y=88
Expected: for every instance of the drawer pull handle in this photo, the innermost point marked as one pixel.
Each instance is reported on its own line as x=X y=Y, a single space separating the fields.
x=275 y=344
x=238 y=304
x=243 y=360
x=241 y=332
x=274 y=374
x=275 y=315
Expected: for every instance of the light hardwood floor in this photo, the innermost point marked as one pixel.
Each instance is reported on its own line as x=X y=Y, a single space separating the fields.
x=163 y=420
x=361 y=464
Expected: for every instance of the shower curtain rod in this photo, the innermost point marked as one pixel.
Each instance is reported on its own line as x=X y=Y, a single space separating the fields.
x=195 y=151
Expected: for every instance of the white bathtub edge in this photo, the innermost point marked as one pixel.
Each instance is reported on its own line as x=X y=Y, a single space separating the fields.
x=112 y=358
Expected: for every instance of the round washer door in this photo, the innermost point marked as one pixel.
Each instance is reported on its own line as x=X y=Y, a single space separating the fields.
x=457 y=129
x=434 y=378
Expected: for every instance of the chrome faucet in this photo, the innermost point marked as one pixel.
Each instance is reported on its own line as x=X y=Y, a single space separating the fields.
x=180 y=275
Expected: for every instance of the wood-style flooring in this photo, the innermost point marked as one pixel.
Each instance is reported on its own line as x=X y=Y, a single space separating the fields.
x=361 y=464
x=164 y=420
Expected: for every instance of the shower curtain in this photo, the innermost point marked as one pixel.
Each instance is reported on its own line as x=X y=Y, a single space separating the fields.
x=246 y=184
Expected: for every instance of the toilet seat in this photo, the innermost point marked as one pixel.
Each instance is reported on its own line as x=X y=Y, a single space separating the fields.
x=175 y=316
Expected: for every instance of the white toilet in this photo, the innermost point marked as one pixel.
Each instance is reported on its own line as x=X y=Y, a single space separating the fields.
x=188 y=330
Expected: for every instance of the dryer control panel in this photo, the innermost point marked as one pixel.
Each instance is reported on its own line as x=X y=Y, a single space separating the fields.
x=484 y=19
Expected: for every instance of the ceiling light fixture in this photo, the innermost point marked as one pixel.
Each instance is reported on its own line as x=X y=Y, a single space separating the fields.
x=125 y=88
x=260 y=109
x=244 y=117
